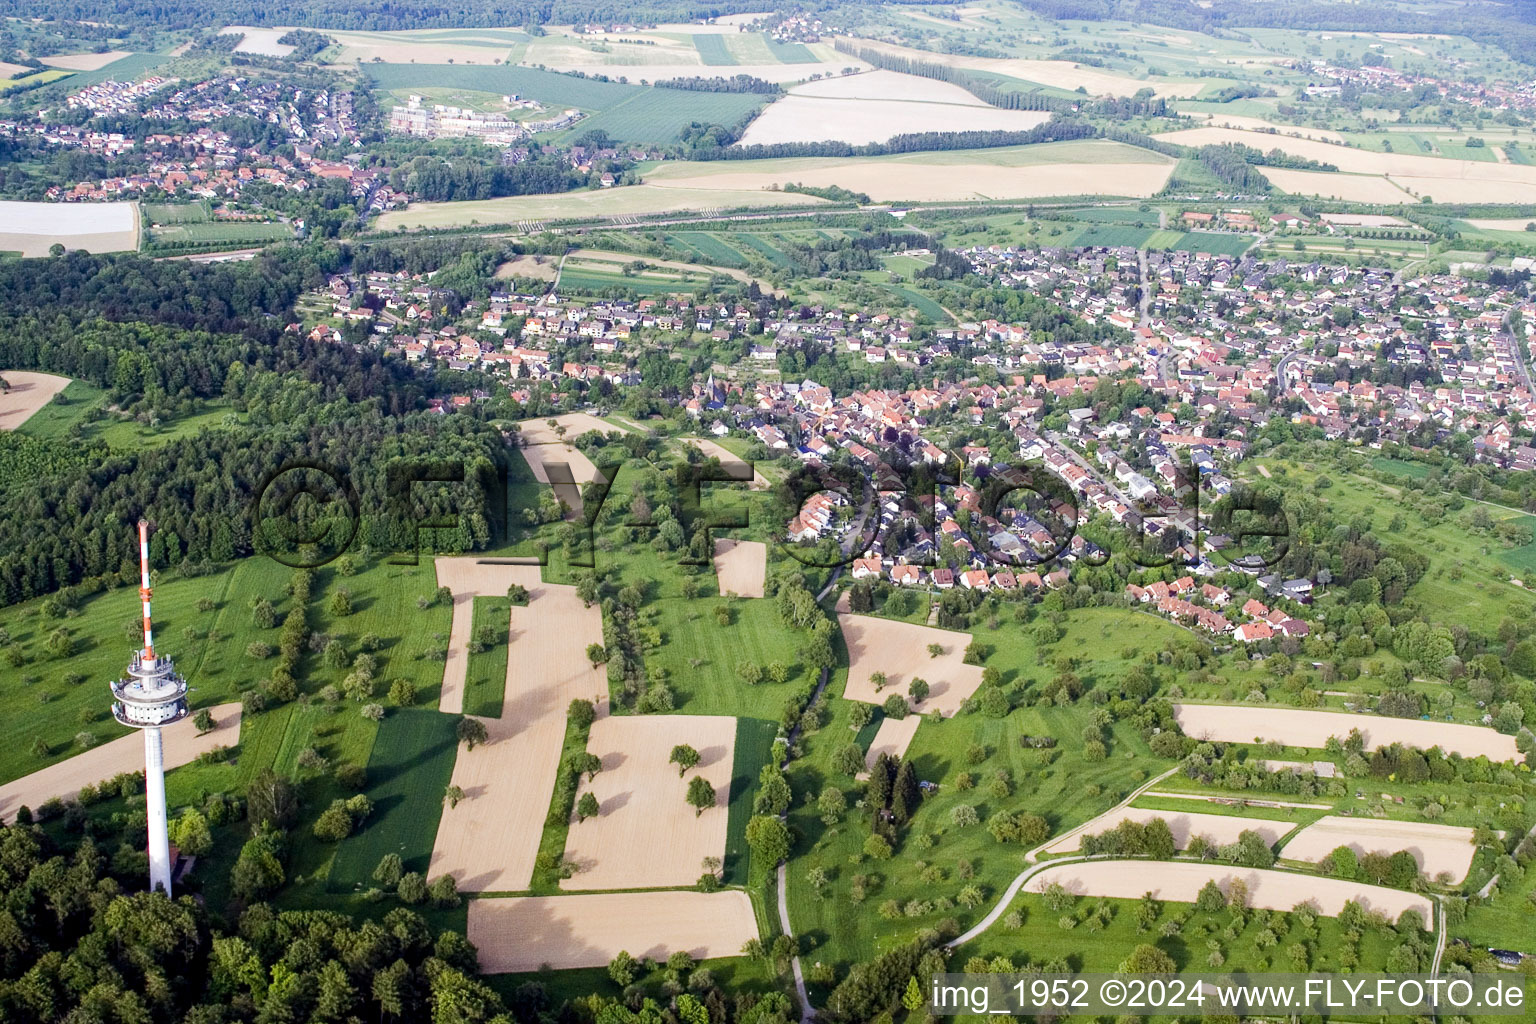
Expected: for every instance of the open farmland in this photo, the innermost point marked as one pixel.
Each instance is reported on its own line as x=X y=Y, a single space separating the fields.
x=900 y=650
x=861 y=121
x=529 y=932
x=893 y=737
x=1437 y=849
x=741 y=565
x=1295 y=728
x=1219 y=829
x=28 y=392
x=262 y=41
x=429 y=46
x=1059 y=74
x=84 y=61
x=645 y=834
x=31 y=228
x=608 y=203
x=490 y=840
x=1268 y=890
x=182 y=742
x=1053 y=169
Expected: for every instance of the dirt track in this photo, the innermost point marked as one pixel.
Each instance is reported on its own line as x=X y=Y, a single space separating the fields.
x=125 y=754
x=1218 y=828
x=741 y=566
x=489 y=841
x=29 y=392
x=645 y=834
x=900 y=650
x=527 y=933
x=1296 y=728
x=1435 y=848
x=1270 y=890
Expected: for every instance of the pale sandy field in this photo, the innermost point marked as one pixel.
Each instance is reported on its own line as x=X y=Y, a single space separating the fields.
x=1363 y=220
x=1297 y=728
x=540 y=267
x=263 y=41
x=468 y=578
x=1220 y=829
x=1261 y=126
x=934 y=180
x=893 y=737
x=887 y=85
x=628 y=201
x=1268 y=890
x=490 y=840
x=645 y=834
x=11 y=70
x=538 y=431
x=181 y=742
x=84 y=61
x=31 y=228
x=741 y=566
x=729 y=459
x=526 y=933
x=29 y=392
x=1058 y=73
x=1500 y=223
x=1435 y=848
x=408 y=46
x=1280 y=766
x=900 y=650
x=1354 y=188
x=543 y=448
x=861 y=121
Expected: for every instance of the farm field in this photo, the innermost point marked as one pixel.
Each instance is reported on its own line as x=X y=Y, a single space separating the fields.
x=1439 y=850
x=485 y=679
x=741 y=566
x=219 y=233
x=857 y=120
x=182 y=743
x=900 y=651
x=1219 y=829
x=263 y=41
x=1055 y=168
x=31 y=228
x=614 y=204
x=645 y=834
x=47 y=77
x=408 y=769
x=1297 y=728
x=533 y=932
x=428 y=46
x=28 y=392
x=85 y=61
x=893 y=737
x=1181 y=881
x=489 y=841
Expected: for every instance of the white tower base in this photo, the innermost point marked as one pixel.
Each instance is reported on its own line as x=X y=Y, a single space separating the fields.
x=154 y=796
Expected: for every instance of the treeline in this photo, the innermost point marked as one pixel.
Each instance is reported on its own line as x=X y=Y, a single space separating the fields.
x=1228 y=164
x=836 y=193
x=848 y=253
x=1144 y=141
x=736 y=83
x=305 y=44
x=431 y=179
x=981 y=89
x=948 y=265
x=1058 y=130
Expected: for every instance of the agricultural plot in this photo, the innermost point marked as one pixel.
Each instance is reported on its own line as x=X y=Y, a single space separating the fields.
x=1297 y=728
x=861 y=121
x=1213 y=242
x=1057 y=74
x=899 y=651
x=790 y=53
x=85 y=61
x=1437 y=849
x=560 y=932
x=27 y=392
x=708 y=247
x=763 y=248
x=645 y=833
x=660 y=115
x=1181 y=882
x=712 y=50
x=32 y=228
x=604 y=204
x=262 y=41
x=741 y=566
x=485 y=678
x=893 y=737
x=219 y=233
x=1113 y=236
x=408 y=769
x=32 y=81
x=429 y=46
x=754 y=747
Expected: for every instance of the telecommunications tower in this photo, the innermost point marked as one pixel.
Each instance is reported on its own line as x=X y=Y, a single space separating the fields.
x=151 y=696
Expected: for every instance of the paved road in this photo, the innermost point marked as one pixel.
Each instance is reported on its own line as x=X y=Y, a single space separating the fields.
x=1146 y=289
x=1034 y=868
x=1083 y=464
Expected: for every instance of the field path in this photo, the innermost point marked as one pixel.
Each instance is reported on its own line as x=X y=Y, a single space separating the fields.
x=125 y=754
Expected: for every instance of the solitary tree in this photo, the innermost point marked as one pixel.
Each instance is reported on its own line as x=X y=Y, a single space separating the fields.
x=452 y=795
x=470 y=731
x=684 y=757
x=918 y=689
x=586 y=807
x=203 y=720
x=701 y=795
x=934 y=650
x=877 y=680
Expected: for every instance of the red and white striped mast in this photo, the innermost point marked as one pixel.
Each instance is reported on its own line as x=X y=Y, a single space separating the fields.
x=150 y=697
